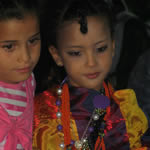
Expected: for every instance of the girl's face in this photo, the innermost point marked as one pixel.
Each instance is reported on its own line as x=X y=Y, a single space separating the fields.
x=19 y=48
x=87 y=58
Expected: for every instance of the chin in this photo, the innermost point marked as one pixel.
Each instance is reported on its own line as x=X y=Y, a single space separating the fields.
x=22 y=78
x=97 y=88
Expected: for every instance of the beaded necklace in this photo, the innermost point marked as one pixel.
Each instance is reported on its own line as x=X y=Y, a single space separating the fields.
x=98 y=115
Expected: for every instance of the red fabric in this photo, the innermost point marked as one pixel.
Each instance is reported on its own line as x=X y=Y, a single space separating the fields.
x=65 y=109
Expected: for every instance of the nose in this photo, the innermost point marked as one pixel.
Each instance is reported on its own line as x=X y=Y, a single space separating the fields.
x=25 y=55
x=91 y=59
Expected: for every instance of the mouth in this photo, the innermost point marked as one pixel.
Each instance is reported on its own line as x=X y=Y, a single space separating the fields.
x=24 y=70
x=92 y=75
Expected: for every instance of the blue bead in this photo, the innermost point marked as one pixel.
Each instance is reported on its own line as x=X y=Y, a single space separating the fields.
x=58 y=102
x=72 y=142
x=102 y=125
x=59 y=127
x=91 y=129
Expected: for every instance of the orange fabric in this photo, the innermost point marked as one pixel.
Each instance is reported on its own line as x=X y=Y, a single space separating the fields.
x=142 y=148
x=102 y=144
x=65 y=109
x=97 y=143
x=107 y=93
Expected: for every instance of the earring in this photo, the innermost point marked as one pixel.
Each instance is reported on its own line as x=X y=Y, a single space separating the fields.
x=59 y=64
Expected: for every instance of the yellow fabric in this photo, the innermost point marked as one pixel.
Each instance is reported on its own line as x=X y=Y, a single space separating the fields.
x=46 y=136
x=136 y=122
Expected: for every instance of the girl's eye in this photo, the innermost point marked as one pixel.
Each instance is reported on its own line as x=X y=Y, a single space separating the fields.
x=34 y=40
x=101 y=49
x=74 y=53
x=8 y=47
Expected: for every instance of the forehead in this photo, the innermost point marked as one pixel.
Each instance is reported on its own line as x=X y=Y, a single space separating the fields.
x=98 y=29
x=15 y=28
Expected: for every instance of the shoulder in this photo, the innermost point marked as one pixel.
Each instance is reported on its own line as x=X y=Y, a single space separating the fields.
x=136 y=121
x=31 y=81
x=125 y=95
x=44 y=107
x=45 y=99
x=128 y=102
x=31 y=77
x=48 y=94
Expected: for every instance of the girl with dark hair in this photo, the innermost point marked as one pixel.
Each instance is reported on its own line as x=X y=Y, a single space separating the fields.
x=83 y=112
x=19 y=53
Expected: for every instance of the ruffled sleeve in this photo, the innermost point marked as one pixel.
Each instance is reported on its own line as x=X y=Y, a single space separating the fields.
x=135 y=119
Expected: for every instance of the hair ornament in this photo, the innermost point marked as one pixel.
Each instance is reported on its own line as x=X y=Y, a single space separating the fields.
x=83 y=21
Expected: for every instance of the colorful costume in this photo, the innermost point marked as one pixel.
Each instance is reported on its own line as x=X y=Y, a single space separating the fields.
x=95 y=122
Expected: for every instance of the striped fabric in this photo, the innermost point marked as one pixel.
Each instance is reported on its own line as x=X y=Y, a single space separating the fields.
x=13 y=99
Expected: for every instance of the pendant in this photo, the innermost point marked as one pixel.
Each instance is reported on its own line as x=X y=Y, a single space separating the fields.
x=78 y=144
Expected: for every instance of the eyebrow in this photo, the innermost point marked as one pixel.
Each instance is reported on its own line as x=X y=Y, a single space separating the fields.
x=74 y=46
x=9 y=41
x=36 y=34
x=13 y=41
x=77 y=46
x=100 y=41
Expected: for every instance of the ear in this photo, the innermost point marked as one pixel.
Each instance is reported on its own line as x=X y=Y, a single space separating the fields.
x=56 y=56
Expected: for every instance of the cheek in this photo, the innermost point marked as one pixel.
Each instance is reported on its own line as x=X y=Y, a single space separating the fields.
x=106 y=61
x=109 y=62
x=71 y=67
x=36 y=54
x=2 y=67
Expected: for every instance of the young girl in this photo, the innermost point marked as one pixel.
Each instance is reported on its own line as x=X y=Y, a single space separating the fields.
x=83 y=111
x=19 y=53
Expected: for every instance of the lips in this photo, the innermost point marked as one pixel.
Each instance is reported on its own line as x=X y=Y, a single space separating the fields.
x=24 y=70
x=92 y=75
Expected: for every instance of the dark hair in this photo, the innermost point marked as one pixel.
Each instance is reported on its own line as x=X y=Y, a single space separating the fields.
x=70 y=10
x=54 y=16
x=10 y=9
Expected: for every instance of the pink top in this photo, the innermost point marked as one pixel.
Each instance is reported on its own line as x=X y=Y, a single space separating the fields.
x=16 y=115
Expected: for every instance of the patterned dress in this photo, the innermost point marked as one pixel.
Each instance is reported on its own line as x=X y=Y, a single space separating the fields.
x=124 y=122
